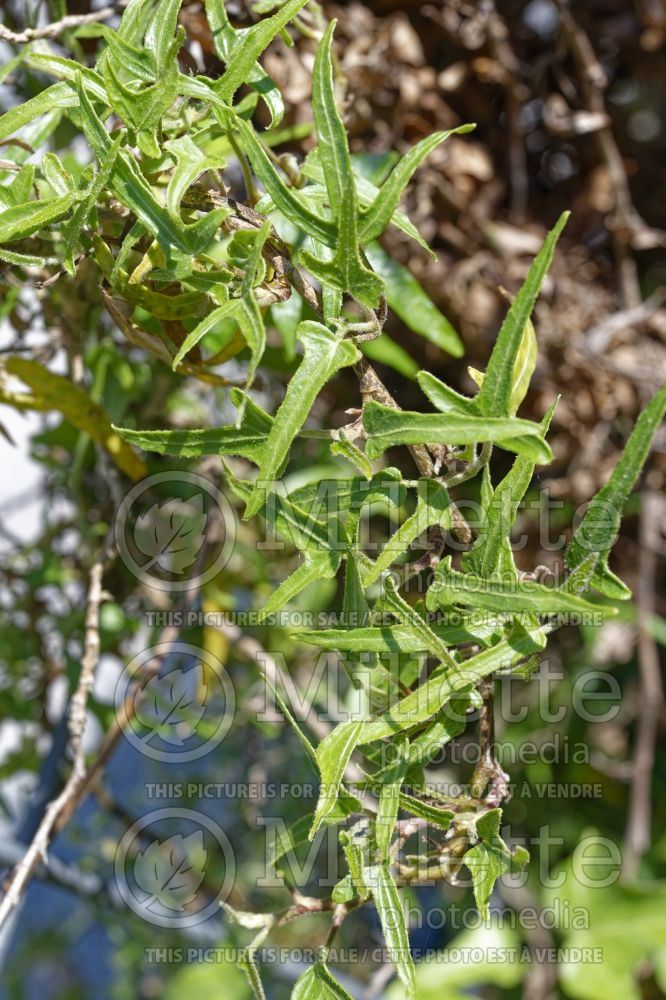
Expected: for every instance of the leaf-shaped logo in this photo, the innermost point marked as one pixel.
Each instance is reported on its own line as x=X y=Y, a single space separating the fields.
x=171 y=533
x=171 y=871
x=169 y=707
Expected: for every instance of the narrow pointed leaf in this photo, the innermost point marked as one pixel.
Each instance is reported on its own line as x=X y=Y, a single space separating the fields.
x=284 y=198
x=333 y=755
x=388 y=428
x=494 y=398
x=347 y=270
x=20 y=221
x=225 y=311
x=412 y=304
x=317 y=983
x=394 y=638
x=317 y=566
x=366 y=193
x=243 y=58
x=444 y=398
x=389 y=799
x=433 y=507
x=331 y=133
x=59 y=95
x=491 y=553
x=377 y=217
x=394 y=928
x=225 y=40
x=291 y=523
x=323 y=356
x=246 y=441
x=597 y=532
x=502 y=596
x=128 y=183
x=54 y=392
x=393 y=602
x=427 y=700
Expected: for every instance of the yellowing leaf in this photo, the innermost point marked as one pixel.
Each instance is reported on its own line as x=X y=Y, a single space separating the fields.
x=54 y=392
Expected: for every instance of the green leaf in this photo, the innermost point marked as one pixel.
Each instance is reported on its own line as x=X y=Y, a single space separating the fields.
x=395 y=638
x=433 y=507
x=345 y=447
x=347 y=271
x=20 y=188
x=225 y=40
x=186 y=305
x=490 y=859
x=160 y=32
x=246 y=441
x=59 y=95
x=523 y=368
x=486 y=866
x=297 y=526
x=127 y=182
x=134 y=60
x=317 y=983
x=333 y=755
x=324 y=355
x=388 y=427
x=284 y=708
x=494 y=398
x=141 y=107
x=288 y=840
x=436 y=815
x=68 y=70
x=25 y=259
x=502 y=596
x=241 y=64
x=387 y=352
x=389 y=798
x=248 y=314
x=343 y=891
x=54 y=173
x=412 y=304
x=444 y=398
x=376 y=218
x=284 y=198
x=366 y=193
x=331 y=133
x=355 y=844
x=71 y=229
x=449 y=724
x=392 y=918
x=419 y=706
x=332 y=497
x=190 y=163
x=595 y=536
x=20 y=221
x=228 y=310
x=317 y=566
x=491 y=553
x=393 y=602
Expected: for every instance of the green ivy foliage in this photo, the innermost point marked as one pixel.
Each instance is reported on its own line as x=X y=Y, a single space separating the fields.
x=152 y=211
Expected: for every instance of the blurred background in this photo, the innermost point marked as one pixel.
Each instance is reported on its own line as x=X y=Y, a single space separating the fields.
x=570 y=106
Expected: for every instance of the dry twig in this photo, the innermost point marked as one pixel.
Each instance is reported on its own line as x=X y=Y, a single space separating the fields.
x=56 y=28
x=77 y=720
